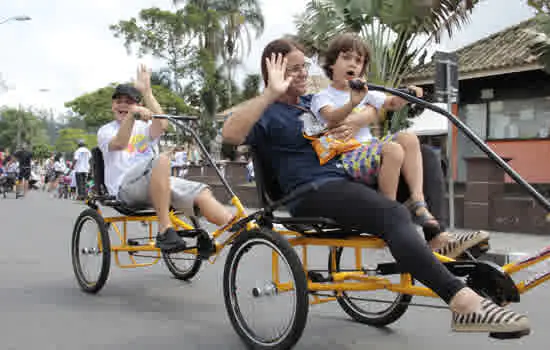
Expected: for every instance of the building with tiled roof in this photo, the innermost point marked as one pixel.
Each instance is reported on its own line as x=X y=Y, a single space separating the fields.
x=500 y=53
x=504 y=97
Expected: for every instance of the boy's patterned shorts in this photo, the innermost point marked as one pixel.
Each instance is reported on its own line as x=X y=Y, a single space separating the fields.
x=363 y=163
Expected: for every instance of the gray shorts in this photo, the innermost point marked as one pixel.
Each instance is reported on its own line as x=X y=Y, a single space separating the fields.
x=134 y=189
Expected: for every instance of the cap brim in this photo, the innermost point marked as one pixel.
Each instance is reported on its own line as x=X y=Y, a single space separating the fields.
x=118 y=94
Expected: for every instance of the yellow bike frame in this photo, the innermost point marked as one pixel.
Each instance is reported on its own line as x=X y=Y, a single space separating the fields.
x=120 y=226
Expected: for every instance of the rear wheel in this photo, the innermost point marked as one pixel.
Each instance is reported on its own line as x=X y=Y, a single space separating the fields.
x=91 y=244
x=376 y=308
x=285 y=292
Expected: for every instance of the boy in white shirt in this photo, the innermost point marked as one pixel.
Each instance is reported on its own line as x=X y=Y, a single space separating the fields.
x=138 y=177
x=375 y=161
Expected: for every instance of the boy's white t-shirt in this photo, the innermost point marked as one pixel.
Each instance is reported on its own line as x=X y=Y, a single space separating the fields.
x=116 y=163
x=337 y=98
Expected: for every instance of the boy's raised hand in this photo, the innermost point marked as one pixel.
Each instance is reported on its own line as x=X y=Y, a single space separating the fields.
x=143 y=79
x=277 y=84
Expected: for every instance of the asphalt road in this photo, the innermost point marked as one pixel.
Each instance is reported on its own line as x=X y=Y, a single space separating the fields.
x=41 y=306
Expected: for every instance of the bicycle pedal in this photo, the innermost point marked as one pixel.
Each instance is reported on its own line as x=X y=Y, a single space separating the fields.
x=317 y=277
x=205 y=247
x=133 y=242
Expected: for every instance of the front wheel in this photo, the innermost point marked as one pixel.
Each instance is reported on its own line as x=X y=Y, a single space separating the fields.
x=91 y=243
x=264 y=268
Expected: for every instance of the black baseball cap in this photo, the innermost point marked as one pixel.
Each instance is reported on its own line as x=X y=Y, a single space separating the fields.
x=127 y=90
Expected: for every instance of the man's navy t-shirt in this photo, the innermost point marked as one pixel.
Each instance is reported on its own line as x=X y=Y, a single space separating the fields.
x=278 y=140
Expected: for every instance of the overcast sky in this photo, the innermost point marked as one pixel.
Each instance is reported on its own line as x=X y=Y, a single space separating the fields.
x=67 y=47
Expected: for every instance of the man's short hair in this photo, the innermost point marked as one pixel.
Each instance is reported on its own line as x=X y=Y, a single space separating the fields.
x=344 y=43
x=283 y=46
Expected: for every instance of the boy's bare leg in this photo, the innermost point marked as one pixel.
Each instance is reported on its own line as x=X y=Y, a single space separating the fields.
x=214 y=211
x=159 y=190
x=388 y=177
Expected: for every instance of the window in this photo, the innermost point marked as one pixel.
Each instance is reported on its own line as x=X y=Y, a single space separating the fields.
x=519 y=119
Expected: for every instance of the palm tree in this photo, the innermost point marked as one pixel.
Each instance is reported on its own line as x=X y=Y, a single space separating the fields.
x=227 y=31
x=238 y=18
x=398 y=31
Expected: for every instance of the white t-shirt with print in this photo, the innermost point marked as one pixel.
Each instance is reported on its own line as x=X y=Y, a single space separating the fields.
x=116 y=163
x=82 y=160
x=337 y=98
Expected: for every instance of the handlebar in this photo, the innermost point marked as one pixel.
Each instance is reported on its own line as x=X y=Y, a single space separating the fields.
x=359 y=85
x=182 y=118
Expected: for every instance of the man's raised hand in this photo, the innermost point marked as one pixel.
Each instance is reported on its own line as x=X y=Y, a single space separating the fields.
x=277 y=84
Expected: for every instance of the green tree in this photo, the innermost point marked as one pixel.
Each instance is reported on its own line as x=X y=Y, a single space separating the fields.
x=166 y=35
x=21 y=124
x=539 y=41
x=251 y=86
x=541 y=6
x=42 y=151
x=95 y=107
x=238 y=19
x=67 y=142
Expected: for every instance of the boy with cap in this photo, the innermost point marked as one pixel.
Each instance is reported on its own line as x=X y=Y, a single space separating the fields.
x=138 y=177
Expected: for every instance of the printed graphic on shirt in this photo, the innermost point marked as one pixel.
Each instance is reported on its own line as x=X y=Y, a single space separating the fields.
x=312 y=125
x=138 y=144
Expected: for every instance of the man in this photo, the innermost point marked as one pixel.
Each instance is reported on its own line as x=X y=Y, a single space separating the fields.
x=272 y=124
x=24 y=157
x=81 y=168
x=138 y=177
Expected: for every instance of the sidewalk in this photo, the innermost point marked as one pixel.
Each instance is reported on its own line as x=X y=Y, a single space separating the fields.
x=502 y=243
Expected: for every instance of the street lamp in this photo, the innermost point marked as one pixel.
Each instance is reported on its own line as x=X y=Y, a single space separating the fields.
x=16 y=18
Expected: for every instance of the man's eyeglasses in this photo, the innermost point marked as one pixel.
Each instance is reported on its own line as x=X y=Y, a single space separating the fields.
x=298 y=68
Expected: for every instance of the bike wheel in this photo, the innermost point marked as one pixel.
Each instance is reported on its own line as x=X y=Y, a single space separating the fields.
x=182 y=265
x=391 y=310
x=269 y=291
x=100 y=248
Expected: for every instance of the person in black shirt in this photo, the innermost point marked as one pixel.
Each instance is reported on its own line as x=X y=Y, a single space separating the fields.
x=24 y=157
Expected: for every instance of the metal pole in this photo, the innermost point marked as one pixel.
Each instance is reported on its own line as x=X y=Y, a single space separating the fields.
x=450 y=165
x=19 y=127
